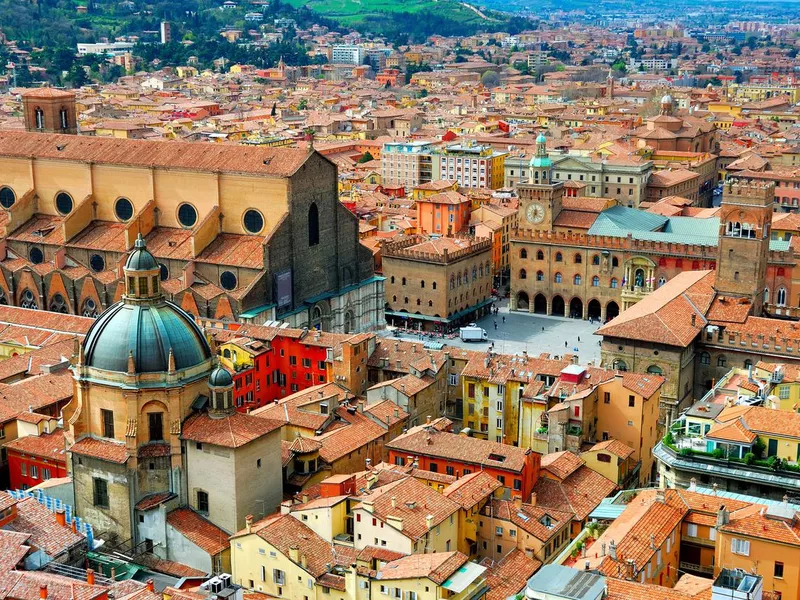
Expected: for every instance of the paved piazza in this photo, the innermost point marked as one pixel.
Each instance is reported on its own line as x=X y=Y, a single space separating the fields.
x=523 y=332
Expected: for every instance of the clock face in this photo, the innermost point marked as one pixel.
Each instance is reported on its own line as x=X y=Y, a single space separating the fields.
x=535 y=213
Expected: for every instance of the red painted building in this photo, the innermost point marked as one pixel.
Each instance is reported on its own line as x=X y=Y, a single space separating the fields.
x=268 y=363
x=441 y=451
x=36 y=458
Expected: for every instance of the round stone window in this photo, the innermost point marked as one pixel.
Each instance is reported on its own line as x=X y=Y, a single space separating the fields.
x=123 y=209
x=187 y=215
x=227 y=280
x=64 y=203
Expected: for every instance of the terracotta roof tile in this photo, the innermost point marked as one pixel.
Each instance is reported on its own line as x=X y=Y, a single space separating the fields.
x=437 y=567
x=226 y=158
x=509 y=577
x=198 y=530
x=101 y=449
x=229 y=431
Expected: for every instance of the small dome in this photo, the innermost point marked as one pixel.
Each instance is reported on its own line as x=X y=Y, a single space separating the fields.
x=220 y=377
x=148 y=331
x=540 y=139
x=666 y=99
x=141 y=259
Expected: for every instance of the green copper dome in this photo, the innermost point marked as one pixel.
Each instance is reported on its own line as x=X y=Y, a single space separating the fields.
x=148 y=331
x=540 y=139
x=141 y=259
x=220 y=377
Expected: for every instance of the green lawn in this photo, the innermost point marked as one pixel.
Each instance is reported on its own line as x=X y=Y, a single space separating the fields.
x=354 y=11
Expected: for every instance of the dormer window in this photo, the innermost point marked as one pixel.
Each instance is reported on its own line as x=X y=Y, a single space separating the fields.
x=323 y=408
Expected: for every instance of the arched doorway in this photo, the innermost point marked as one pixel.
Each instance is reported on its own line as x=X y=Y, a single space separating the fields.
x=576 y=308
x=540 y=304
x=523 y=301
x=612 y=310
x=558 y=306
x=594 y=310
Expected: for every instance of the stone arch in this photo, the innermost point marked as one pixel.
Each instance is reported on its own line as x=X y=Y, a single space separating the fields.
x=523 y=301
x=612 y=310
x=594 y=310
x=576 y=308
x=540 y=304
x=320 y=316
x=557 y=306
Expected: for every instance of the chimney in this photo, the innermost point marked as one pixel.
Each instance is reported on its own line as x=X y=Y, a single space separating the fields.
x=248 y=523
x=90 y=576
x=416 y=462
x=653 y=541
x=586 y=566
x=394 y=501
x=694 y=319
x=714 y=489
x=61 y=517
x=722 y=516
x=429 y=522
x=294 y=554
x=43 y=592
x=660 y=497
x=368 y=463
x=603 y=549
x=612 y=550
x=303 y=561
x=74 y=526
x=693 y=484
x=428 y=420
x=533 y=499
x=518 y=502
x=396 y=413
x=151 y=586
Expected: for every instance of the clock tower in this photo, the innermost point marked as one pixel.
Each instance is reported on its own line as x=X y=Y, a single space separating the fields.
x=540 y=197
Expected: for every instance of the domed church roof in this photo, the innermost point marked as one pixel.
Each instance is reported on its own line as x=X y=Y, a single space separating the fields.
x=140 y=259
x=220 y=377
x=144 y=325
x=147 y=331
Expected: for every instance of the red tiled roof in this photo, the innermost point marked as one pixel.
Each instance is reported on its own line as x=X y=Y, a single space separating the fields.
x=101 y=449
x=201 y=532
x=509 y=576
x=46 y=445
x=437 y=567
x=230 y=431
x=226 y=158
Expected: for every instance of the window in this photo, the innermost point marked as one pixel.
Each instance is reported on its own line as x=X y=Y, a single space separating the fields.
x=558 y=278
x=523 y=253
x=123 y=208
x=777 y=570
x=578 y=259
x=108 y=423
x=722 y=361
x=34 y=472
x=187 y=215
x=539 y=255
x=155 y=421
x=614 y=282
x=606 y=397
x=740 y=547
x=100 y=495
x=595 y=281
x=202 y=502
x=576 y=280
x=631 y=401
x=253 y=221
x=523 y=274
x=7 y=197
x=227 y=280
x=313 y=225
x=691 y=530
x=705 y=358
x=539 y=276
x=559 y=257
x=278 y=576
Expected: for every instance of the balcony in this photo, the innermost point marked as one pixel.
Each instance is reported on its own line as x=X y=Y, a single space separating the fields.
x=691 y=539
x=693 y=568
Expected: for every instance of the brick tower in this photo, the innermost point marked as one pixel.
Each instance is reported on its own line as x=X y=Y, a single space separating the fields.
x=744 y=234
x=48 y=110
x=540 y=197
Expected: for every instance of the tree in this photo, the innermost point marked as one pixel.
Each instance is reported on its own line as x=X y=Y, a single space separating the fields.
x=274 y=110
x=77 y=76
x=303 y=104
x=366 y=157
x=490 y=79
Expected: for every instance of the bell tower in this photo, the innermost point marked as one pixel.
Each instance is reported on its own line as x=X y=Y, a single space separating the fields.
x=540 y=198
x=744 y=234
x=48 y=110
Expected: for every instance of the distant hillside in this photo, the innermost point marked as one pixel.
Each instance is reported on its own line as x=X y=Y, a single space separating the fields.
x=415 y=18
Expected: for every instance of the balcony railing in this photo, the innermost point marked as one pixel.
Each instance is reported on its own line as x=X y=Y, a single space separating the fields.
x=698 y=540
x=687 y=566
